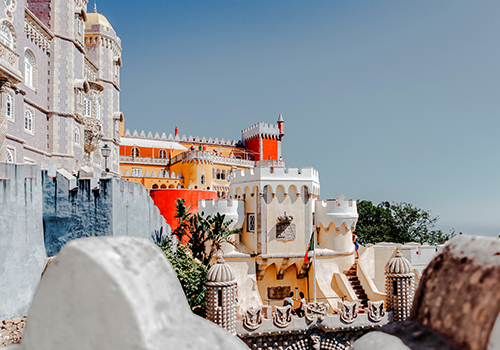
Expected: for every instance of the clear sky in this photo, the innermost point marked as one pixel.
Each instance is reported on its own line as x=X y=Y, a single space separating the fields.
x=389 y=100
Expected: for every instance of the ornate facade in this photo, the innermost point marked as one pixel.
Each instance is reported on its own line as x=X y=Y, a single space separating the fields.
x=59 y=77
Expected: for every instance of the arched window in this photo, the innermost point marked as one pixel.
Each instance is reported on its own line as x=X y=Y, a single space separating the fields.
x=223 y=175
x=29 y=69
x=6 y=37
x=87 y=107
x=9 y=106
x=162 y=154
x=77 y=135
x=10 y=156
x=97 y=106
x=28 y=120
x=135 y=152
x=155 y=186
x=202 y=180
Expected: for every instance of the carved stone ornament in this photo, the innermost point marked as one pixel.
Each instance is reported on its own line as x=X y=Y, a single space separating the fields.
x=282 y=316
x=316 y=311
x=285 y=229
x=348 y=311
x=93 y=134
x=315 y=341
x=376 y=310
x=253 y=318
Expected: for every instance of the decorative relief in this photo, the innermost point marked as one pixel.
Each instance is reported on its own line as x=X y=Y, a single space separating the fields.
x=316 y=311
x=285 y=229
x=253 y=318
x=90 y=71
x=376 y=310
x=37 y=34
x=348 y=311
x=279 y=292
x=282 y=316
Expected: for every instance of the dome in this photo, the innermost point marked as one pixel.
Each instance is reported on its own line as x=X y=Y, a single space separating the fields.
x=399 y=265
x=220 y=272
x=96 y=18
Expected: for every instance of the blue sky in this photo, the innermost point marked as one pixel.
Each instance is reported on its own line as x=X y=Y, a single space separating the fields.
x=389 y=100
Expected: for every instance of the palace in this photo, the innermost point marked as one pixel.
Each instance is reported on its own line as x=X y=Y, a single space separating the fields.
x=60 y=85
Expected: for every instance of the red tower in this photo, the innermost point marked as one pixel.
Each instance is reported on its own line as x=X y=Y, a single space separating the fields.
x=262 y=141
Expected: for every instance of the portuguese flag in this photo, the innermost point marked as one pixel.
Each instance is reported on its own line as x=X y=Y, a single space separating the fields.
x=310 y=247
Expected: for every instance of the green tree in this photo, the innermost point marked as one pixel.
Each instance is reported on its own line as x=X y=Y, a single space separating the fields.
x=398 y=223
x=219 y=233
x=191 y=273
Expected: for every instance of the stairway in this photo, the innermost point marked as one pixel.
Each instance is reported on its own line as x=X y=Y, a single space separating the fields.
x=356 y=285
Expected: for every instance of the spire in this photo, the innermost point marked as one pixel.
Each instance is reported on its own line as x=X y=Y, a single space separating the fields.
x=280 y=119
x=95 y=7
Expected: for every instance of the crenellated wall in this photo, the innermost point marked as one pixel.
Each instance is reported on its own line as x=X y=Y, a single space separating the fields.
x=233 y=210
x=96 y=206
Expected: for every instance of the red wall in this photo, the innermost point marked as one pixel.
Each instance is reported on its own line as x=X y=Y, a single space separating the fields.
x=253 y=145
x=165 y=199
x=270 y=149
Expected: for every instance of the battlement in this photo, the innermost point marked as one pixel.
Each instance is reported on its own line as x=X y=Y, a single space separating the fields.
x=276 y=174
x=336 y=211
x=183 y=138
x=261 y=128
x=233 y=210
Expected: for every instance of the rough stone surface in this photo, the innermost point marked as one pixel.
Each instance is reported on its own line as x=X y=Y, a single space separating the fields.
x=116 y=293
x=11 y=330
x=458 y=295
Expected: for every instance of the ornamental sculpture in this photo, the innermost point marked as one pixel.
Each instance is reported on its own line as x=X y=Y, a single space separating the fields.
x=376 y=310
x=348 y=311
x=93 y=134
x=315 y=311
x=253 y=318
x=285 y=229
x=282 y=316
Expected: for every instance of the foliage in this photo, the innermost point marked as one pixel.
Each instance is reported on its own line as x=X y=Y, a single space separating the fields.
x=203 y=236
x=190 y=272
x=398 y=223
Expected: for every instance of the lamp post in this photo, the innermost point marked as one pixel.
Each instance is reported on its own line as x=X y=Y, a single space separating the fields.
x=106 y=151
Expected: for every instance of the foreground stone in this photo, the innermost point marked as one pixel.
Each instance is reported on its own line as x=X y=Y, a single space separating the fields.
x=11 y=330
x=116 y=293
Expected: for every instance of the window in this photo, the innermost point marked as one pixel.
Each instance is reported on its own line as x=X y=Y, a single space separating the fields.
x=77 y=136
x=135 y=152
x=87 y=107
x=6 y=36
x=10 y=156
x=250 y=222
x=28 y=120
x=202 y=180
x=162 y=154
x=97 y=106
x=136 y=172
x=29 y=69
x=9 y=109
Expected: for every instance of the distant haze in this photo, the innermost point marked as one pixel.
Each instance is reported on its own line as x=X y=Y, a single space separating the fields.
x=389 y=100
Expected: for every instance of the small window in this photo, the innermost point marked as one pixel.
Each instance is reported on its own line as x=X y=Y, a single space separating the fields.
x=162 y=154
x=87 y=107
x=77 y=136
x=6 y=36
x=29 y=69
x=250 y=222
x=135 y=152
x=28 y=120
x=9 y=106
x=136 y=172
x=10 y=156
x=202 y=180
x=155 y=186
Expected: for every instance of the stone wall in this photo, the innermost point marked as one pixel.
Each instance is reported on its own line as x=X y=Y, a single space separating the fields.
x=96 y=206
x=22 y=251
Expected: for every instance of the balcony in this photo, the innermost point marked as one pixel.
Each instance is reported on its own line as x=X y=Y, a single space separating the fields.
x=189 y=156
x=8 y=65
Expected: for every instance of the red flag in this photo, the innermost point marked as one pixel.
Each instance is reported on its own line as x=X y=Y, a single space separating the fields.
x=310 y=247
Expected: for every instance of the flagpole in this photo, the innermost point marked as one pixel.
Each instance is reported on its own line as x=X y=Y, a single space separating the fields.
x=314 y=264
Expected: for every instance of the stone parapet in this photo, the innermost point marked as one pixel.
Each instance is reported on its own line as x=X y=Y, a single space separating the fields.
x=233 y=210
x=337 y=211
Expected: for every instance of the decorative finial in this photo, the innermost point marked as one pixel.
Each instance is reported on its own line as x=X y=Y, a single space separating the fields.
x=95 y=7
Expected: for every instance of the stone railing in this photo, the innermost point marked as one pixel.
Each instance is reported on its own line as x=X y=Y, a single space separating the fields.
x=208 y=156
x=144 y=160
x=8 y=60
x=270 y=163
